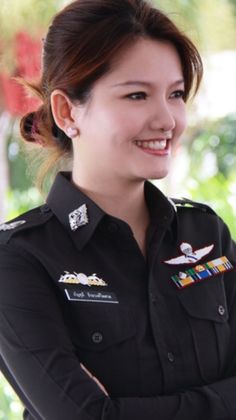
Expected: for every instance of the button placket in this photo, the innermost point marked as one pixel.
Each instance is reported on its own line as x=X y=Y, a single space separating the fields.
x=153 y=298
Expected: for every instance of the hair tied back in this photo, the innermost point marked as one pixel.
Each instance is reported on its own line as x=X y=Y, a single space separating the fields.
x=29 y=128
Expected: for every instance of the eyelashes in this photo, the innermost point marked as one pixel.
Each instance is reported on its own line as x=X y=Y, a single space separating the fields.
x=138 y=96
x=178 y=94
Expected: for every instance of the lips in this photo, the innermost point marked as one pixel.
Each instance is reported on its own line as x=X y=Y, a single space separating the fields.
x=157 y=146
x=152 y=144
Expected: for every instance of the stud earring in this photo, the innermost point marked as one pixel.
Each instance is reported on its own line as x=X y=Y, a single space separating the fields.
x=72 y=132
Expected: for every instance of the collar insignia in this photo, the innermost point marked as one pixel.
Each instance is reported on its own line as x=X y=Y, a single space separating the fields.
x=78 y=217
x=13 y=225
x=80 y=278
x=189 y=256
x=202 y=272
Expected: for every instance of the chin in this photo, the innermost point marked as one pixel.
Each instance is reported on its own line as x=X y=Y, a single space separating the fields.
x=159 y=175
x=154 y=175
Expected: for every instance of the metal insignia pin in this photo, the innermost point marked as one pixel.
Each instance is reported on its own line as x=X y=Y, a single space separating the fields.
x=78 y=217
x=81 y=278
x=189 y=256
x=13 y=225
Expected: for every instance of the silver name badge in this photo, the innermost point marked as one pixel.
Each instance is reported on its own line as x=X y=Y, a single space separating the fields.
x=74 y=294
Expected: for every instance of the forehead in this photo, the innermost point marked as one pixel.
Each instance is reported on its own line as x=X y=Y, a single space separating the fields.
x=146 y=59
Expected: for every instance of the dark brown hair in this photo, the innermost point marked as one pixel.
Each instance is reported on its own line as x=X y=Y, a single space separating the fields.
x=80 y=43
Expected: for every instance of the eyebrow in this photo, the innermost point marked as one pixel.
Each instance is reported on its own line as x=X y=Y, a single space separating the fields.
x=143 y=83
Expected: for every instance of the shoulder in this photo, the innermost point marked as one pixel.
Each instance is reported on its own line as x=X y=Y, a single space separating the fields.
x=188 y=205
x=199 y=218
x=32 y=219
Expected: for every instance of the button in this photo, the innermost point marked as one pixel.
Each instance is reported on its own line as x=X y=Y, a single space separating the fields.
x=171 y=357
x=153 y=298
x=221 y=310
x=97 y=337
x=45 y=209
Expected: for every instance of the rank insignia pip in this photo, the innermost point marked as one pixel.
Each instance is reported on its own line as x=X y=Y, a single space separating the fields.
x=202 y=272
x=78 y=217
x=80 y=278
x=13 y=225
x=188 y=255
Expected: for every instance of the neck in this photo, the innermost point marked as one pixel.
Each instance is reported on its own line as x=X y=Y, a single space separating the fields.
x=122 y=199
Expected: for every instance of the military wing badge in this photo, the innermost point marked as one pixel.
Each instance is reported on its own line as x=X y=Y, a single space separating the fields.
x=189 y=256
x=13 y=225
x=80 y=278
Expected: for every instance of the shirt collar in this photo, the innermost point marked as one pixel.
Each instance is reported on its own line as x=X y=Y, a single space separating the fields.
x=65 y=197
x=160 y=207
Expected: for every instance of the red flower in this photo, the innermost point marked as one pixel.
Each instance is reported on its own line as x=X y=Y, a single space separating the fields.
x=27 y=53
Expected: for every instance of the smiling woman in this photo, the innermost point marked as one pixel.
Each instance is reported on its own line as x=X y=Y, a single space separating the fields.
x=115 y=301
x=122 y=123
x=75 y=67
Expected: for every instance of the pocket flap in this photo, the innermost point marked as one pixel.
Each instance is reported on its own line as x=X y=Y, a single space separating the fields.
x=105 y=331
x=205 y=301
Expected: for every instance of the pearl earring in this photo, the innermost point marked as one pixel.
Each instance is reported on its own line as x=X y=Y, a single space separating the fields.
x=72 y=132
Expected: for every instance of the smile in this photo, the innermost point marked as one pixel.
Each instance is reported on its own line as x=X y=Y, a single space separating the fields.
x=153 y=144
x=157 y=147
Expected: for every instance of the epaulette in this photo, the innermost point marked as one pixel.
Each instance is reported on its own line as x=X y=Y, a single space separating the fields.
x=32 y=218
x=186 y=203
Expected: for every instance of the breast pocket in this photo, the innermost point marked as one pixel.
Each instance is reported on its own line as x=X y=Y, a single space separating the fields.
x=105 y=342
x=206 y=310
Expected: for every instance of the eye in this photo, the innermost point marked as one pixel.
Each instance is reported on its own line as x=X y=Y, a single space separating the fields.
x=137 y=96
x=178 y=94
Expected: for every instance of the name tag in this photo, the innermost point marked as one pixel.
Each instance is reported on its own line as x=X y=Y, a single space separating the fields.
x=87 y=296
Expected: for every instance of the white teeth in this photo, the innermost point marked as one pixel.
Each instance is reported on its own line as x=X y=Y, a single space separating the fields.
x=152 y=145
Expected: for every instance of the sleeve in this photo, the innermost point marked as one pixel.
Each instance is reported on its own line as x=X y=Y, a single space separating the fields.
x=39 y=357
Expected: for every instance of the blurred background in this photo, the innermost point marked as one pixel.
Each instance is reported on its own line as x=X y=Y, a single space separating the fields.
x=204 y=168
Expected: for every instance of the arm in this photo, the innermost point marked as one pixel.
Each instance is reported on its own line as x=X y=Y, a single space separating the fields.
x=36 y=348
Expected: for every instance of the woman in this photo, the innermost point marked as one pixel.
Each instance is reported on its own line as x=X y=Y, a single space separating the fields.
x=115 y=302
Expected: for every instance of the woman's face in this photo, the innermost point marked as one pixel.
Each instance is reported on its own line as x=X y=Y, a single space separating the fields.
x=135 y=116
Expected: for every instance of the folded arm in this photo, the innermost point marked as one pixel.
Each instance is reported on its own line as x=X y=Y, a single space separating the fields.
x=37 y=352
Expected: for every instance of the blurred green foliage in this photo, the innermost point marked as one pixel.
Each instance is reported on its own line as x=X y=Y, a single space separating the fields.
x=209 y=23
x=211 y=174
x=216 y=138
x=10 y=406
x=19 y=202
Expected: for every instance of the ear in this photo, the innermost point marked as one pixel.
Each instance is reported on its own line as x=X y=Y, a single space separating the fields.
x=62 y=110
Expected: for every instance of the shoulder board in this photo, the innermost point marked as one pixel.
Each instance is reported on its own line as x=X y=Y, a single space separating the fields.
x=186 y=203
x=28 y=220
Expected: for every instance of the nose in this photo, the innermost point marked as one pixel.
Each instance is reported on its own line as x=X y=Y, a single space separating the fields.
x=162 y=118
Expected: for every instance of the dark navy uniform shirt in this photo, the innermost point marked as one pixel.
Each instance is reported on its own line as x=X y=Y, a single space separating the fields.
x=158 y=332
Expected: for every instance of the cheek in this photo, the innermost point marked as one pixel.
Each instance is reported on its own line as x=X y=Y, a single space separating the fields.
x=181 y=120
x=120 y=121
